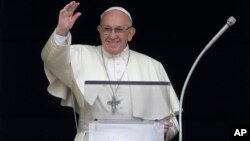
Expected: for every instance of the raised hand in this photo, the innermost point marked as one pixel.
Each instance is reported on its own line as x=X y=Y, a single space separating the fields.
x=67 y=18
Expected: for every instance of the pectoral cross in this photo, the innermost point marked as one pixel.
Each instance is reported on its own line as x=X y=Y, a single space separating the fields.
x=113 y=103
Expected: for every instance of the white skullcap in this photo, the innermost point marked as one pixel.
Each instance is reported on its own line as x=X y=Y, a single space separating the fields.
x=120 y=9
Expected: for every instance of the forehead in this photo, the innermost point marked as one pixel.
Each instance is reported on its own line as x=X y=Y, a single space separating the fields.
x=115 y=17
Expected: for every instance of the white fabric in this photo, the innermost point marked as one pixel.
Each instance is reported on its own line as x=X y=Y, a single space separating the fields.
x=61 y=40
x=67 y=68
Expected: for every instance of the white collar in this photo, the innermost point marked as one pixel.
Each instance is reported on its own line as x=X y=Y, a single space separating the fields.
x=124 y=54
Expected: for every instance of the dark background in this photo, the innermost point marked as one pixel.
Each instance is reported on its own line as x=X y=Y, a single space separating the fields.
x=173 y=32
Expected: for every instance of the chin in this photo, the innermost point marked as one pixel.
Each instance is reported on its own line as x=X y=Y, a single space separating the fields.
x=114 y=50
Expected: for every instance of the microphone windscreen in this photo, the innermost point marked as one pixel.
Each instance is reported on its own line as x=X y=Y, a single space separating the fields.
x=231 y=21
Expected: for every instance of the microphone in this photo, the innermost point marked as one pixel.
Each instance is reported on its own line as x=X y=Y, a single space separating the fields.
x=231 y=21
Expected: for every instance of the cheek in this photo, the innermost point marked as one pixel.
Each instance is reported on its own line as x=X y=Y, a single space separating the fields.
x=103 y=40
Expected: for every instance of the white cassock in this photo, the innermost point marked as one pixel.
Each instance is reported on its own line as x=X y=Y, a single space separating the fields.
x=67 y=67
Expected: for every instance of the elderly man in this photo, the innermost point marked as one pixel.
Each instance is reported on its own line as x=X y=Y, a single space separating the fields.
x=68 y=67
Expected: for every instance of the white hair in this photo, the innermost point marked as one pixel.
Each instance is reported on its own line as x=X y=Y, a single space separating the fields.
x=120 y=9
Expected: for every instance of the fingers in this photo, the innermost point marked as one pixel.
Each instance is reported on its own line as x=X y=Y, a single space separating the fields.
x=167 y=126
x=67 y=18
x=76 y=16
x=71 y=7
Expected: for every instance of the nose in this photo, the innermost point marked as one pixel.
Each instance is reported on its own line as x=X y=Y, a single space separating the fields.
x=112 y=34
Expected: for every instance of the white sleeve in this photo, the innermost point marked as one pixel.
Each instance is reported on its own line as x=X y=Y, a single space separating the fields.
x=61 y=40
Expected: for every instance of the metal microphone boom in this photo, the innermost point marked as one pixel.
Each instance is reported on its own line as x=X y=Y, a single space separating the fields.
x=229 y=23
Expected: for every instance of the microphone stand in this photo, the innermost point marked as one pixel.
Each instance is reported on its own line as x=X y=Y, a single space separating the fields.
x=229 y=23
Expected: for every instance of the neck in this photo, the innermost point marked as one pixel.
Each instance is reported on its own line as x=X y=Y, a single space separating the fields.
x=124 y=52
x=125 y=56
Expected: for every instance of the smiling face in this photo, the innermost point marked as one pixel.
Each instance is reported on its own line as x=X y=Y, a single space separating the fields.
x=115 y=31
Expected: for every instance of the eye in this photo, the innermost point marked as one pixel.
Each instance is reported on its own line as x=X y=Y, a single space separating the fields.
x=107 y=29
x=118 y=30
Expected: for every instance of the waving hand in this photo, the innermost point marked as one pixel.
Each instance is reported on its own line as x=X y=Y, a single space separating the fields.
x=67 y=18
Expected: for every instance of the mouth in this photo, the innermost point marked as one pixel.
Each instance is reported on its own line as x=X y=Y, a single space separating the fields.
x=112 y=44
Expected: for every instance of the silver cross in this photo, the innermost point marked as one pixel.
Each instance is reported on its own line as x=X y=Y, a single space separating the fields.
x=113 y=103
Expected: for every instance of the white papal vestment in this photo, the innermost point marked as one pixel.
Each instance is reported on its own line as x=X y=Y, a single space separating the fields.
x=67 y=67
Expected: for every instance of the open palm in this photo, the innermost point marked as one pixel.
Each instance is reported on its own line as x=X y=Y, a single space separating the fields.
x=67 y=18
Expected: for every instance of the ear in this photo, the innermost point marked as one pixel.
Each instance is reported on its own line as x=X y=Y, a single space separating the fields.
x=99 y=29
x=131 y=33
